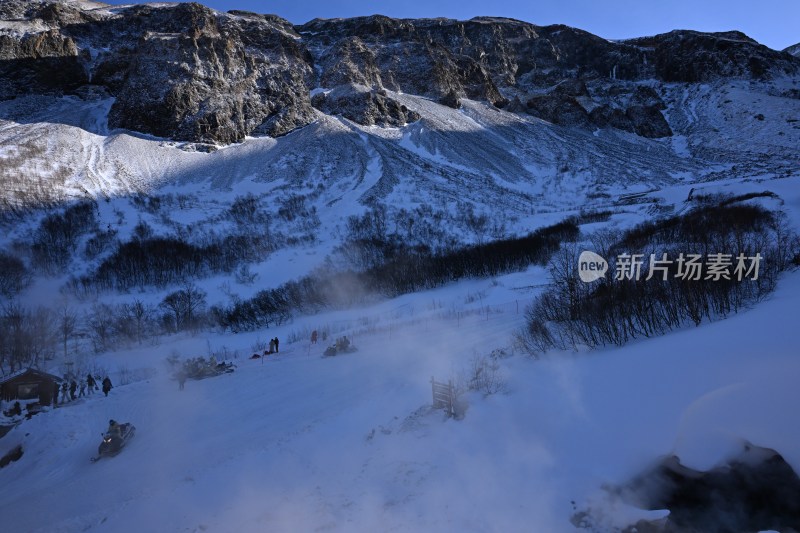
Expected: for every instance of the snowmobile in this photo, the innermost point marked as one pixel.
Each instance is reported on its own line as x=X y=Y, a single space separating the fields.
x=112 y=443
x=225 y=368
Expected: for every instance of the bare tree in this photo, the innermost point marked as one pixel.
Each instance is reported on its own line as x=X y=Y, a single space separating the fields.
x=135 y=319
x=14 y=276
x=101 y=326
x=184 y=305
x=67 y=324
x=142 y=316
x=26 y=337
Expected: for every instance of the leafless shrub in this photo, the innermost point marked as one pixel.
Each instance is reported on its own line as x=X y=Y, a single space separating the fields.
x=259 y=346
x=244 y=276
x=484 y=375
x=124 y=375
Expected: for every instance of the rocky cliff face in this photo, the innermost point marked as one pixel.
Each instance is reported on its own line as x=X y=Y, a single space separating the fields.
x=186 y=72
x=210 y=78
x=179 y=71
x=689 y=56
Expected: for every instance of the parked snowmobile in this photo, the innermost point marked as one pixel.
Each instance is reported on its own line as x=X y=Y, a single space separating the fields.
x=115 y=439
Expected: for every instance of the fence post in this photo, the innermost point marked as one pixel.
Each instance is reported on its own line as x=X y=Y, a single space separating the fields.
x=451 y=398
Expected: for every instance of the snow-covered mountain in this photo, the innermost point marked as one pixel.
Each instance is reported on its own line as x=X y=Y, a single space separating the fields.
x=82 y=82
x=281 y=151
x=544 y=110
x=562 y=121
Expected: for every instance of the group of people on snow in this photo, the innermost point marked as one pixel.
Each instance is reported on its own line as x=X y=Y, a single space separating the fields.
x=273 y=345
x=70 y=390
x=273 y=348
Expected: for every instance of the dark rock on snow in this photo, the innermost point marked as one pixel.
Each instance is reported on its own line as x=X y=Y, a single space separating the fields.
x=755 y=491
x=451 y=99
x=558 y=109
x=648 y=121
x=364 y=106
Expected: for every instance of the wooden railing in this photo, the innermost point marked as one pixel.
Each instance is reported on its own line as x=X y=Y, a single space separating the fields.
x=444 y=396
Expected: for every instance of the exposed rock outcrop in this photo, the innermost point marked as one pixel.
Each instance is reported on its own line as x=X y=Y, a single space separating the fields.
x=39 y=63
x=635 y=110
x=364 y=106
x=179 y=71
x=451 y=99
x=648 y=121
x=204 y=82
x=559 y=109
x=609 y=116
x=190 y=73
x=755 y=491
x=691 y=56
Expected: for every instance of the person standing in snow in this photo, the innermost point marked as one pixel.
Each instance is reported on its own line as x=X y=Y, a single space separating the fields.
x=106 y=385
x=276 y=345
x=181 y=380
x=272 y=346
x=73 y=388
x=64 y=392
x=82 y=390
x=91 y=383
x=314 y=337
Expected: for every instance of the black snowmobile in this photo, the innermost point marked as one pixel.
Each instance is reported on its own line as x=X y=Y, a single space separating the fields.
x=114 y=441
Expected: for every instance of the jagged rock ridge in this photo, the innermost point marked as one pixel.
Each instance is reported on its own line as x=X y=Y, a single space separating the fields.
x=186 y=72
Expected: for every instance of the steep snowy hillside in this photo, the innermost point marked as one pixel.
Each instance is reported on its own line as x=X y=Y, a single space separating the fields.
x=518 y=171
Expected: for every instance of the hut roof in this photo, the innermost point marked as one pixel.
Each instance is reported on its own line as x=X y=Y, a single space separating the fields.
x=34 y=373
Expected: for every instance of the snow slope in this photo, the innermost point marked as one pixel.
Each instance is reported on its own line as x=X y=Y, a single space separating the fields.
x=514 y=163
x=303 y=443
x=520 y=171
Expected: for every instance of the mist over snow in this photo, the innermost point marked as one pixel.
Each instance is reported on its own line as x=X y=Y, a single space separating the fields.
x=302 y=442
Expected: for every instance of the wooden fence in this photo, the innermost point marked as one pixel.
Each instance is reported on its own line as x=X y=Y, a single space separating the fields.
x=444 y=396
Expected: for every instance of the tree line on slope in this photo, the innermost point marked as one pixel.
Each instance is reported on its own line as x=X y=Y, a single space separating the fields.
x=32 y=335
x=613 y=311
x=405 y=270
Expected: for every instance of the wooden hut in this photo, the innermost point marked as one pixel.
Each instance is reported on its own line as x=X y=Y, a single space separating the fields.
x=29 y=384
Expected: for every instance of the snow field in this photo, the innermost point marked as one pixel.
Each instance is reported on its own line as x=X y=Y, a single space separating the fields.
x=300 y=442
